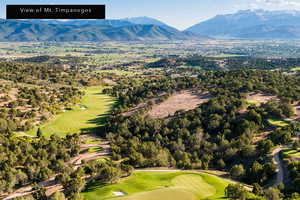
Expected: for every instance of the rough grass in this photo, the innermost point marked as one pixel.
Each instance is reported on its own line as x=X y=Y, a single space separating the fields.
x=184 y=100
x=161 y=185
x=76 y=120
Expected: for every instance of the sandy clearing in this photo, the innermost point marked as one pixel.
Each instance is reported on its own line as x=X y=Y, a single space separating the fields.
x=261 y=136
x=119 y=194
x=259 y=98
x=109 y=81
x=184 y=100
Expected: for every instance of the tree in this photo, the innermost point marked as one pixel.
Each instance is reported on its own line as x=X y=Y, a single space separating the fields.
x=273 y=194
x=265 y=146
x=296 y=145
x=126 y=169
x=39 y=133
x=257 y=189
x=39 y=193
x=109 y=174
x=3 y=125
x=287 y=110
x=73 y=187
x=235 y=191
x=58 y=196
x=237 y=171
x=295 y=196
x=221 y=164
x=256 y=172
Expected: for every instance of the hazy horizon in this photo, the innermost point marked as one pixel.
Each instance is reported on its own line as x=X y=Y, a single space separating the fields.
x=176 y=13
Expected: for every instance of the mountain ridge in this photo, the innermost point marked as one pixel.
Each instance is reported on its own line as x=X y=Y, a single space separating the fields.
x=105 y=30
x=252 y=24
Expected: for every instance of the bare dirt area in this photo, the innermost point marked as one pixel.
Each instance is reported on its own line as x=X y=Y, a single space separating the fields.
x=184 y=100
x=12 y=95
x=297 y=112
x=261 y=136
x=109 y=82
x=259 y=98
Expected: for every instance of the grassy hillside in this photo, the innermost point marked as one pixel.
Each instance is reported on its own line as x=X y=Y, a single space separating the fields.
x=86 y=116
x=161 y=185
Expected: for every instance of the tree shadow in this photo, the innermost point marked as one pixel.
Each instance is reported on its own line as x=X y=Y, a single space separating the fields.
x=93 y=185
x=99 y=121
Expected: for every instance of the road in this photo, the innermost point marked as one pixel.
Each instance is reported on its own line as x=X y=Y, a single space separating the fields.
x=279 y=164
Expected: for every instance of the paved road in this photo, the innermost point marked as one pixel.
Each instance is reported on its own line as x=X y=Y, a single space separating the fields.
x=279 y=164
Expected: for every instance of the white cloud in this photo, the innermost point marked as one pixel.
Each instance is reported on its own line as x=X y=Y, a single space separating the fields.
x=290 y=3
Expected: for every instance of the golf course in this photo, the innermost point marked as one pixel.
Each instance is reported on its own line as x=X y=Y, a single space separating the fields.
x=158 y=185
x=87 y=115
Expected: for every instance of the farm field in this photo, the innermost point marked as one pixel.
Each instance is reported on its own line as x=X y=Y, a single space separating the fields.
x=161 y=185
x=84 y=117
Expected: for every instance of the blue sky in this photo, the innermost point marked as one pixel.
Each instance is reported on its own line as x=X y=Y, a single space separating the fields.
x=178 y=13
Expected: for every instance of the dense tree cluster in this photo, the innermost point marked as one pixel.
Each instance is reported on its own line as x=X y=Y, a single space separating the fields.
x=25 y=160
x=37 y=73
x=214 y=135
x=238 y=192
x=232 y=63
x=22 y=106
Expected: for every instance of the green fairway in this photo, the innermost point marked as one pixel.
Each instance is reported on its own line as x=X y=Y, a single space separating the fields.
x=118 y=72
x=295 y=69
x=85 y=117
x=278 y=122
x=161 y=185
x=291 y=153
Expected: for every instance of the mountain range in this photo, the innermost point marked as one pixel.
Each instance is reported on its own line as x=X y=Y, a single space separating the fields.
x=252 y=24
x=130 y=29
x=244 y=24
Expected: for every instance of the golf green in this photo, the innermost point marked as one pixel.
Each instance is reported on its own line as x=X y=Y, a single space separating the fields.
x=161 y=185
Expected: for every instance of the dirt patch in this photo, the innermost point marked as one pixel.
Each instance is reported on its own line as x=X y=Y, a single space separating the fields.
x=12 y=94
x=184 y=100
x=297 y=110
x=259 y=98
x=109 y=82
x=261 y=136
